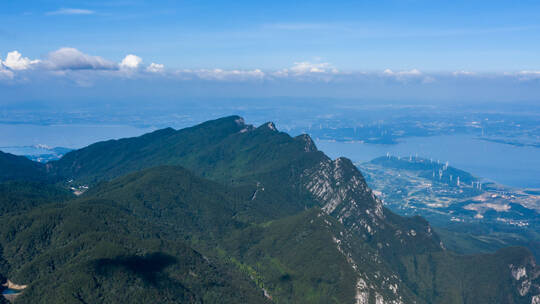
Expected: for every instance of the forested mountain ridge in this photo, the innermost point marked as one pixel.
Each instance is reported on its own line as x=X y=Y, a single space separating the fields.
x=275 y=213
x=15 y=167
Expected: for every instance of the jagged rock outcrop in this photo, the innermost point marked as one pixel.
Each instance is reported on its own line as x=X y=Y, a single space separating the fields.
x=343 y=193
x=526 y=278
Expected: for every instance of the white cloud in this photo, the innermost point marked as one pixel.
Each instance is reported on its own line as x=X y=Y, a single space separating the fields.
x=73 y=59
x=306 y=70
x=410 y=75
x=462 y=73
x=15 y=61
x=71 y=11
x=84 y=69
x=310 y=67
x=155 y=68
x=130 y=62
x=413 y=72
x=219 y=74
x=5 y=73
x=528 y=75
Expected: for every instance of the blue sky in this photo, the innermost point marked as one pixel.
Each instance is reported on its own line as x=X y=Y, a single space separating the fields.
x=352 y=35
x=409 y=42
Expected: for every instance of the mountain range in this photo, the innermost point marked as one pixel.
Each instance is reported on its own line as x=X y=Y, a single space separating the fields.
x=225 y=212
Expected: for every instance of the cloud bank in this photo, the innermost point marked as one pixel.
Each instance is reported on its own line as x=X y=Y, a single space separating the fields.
x=73 y=59
x=72 y=67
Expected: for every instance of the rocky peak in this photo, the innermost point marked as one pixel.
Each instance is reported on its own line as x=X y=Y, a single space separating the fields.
x=343 y=193
x=309 y=145
x=268 y=126
x=239 y=121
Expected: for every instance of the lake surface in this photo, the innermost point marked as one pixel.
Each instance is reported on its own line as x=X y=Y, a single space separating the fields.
x=502 y=163
x=70 y=136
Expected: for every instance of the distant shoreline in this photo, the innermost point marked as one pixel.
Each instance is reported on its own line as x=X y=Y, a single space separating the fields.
x=510 y=142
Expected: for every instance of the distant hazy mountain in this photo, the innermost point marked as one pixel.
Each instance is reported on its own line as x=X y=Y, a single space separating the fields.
x=39 y=153
x=224 y=212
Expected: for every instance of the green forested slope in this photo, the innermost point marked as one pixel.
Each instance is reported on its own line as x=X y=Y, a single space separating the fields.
x=20 y=196
x=13 y=167
x=252 y=211
x=96 y=250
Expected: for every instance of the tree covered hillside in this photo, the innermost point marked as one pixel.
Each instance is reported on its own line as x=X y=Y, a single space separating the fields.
x=224 y=212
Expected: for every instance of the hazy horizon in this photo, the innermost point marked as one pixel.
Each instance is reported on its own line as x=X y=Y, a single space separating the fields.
x=64 y=52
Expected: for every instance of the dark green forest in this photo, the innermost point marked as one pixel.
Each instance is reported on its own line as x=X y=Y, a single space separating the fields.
x=224 y=212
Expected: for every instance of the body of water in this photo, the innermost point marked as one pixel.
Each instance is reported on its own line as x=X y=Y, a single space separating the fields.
x=502 y=163
x=70 y=136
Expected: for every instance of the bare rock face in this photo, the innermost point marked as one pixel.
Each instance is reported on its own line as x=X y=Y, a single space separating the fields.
x=10 y=285
x=526 y=277
x=14 y=286
x=344 y=194
x=341 y=191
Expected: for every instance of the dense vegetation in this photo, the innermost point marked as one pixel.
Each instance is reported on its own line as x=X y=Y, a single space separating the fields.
x=20 y=168
x=100 y=250
x=20 y=196
x=226 y=213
